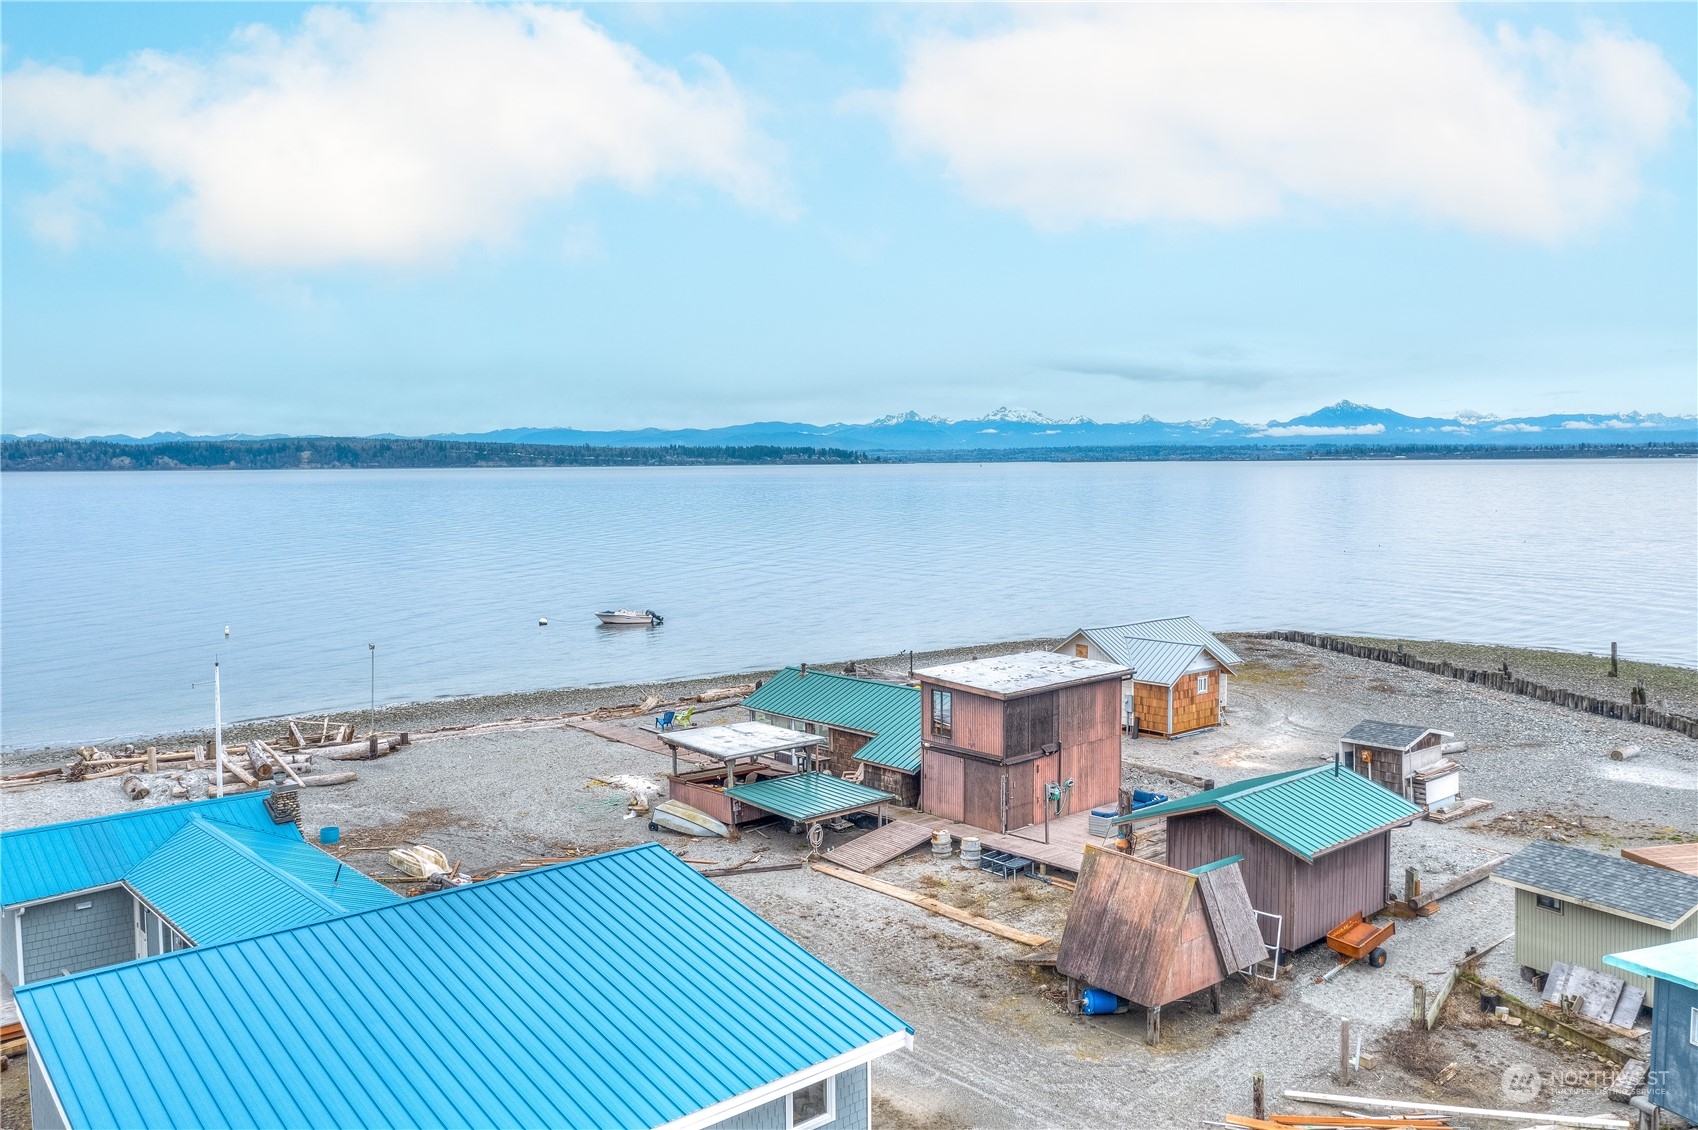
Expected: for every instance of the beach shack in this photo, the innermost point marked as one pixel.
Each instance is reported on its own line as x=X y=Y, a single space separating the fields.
x=620 y=989
x=1575 y=907
x=1315 y=842
x=762 y=771
x=1408 y=760
x=1003 y=740
x=1152 y=934
x=1180 y=671
x=1672 y=1071
x=871 y=727
x=90 y=893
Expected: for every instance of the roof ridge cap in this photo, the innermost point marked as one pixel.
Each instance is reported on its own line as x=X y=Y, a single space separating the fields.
x=211 y=826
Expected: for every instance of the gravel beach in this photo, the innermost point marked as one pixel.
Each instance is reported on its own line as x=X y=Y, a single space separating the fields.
x=994 y=1046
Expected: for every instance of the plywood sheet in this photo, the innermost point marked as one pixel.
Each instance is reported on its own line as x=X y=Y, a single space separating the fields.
x=1237 y=934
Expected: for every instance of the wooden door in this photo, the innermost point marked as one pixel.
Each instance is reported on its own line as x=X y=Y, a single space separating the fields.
x=1025 y=786
x=983 y=791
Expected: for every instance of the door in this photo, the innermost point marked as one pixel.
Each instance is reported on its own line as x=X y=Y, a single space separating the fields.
x=982 y=786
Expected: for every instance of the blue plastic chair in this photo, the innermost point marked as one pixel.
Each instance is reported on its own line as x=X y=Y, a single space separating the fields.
x=665 y=720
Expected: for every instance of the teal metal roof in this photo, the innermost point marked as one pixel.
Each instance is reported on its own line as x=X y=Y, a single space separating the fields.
x=891 y=711
x=57 y=859
x=217 y=883
x=807 y=796
x=1674 y=961
x=1306 y=811
x=621 y=990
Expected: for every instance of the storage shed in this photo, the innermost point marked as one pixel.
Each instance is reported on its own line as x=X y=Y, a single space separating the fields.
x=1577 y=906
x=1180 y=671
x=1408 y=760
x=1152 y=934
x=872 y=728
x=1672 y=1072
x=91 y=893
x=1316 y=844
x=619 y=990
x=1003 y=738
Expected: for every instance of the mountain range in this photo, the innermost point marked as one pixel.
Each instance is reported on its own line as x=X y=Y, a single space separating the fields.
x=1011 y=428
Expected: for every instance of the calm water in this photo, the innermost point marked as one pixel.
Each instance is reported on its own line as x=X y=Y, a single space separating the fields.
x=116 y=587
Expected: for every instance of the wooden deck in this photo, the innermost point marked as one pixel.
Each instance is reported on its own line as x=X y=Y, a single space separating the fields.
x=631 y=735
x=880 y=846
x=1067 y=839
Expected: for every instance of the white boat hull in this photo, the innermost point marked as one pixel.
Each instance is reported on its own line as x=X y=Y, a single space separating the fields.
x=675 y=816
x=626 y=616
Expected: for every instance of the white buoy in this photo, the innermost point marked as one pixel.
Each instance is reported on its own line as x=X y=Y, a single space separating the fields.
x=226 y=631
x=542 y=622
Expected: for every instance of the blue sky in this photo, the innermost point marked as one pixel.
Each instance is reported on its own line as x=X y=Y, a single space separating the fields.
x=417 y=218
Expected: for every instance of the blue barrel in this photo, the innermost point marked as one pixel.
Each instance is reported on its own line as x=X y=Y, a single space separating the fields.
x=329 y=835
x=1100 y=1002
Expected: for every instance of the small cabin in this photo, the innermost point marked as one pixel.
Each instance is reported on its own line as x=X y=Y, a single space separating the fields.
x=1672 y=1075
x=1576 y=907
x=1007 y=739
x=1179 y=672
x=1316 y=845
x=1408 y=760
x=871 y=728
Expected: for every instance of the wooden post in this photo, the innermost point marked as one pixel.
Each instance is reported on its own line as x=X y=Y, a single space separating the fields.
x=1411 y=884
x=1073 y=996
x=1214 y=999
x=1152 y=1025
x=1344 y=1052
x=1614 y=671
x=153 y=759
x=1258 y=1098
x=1419 y=1018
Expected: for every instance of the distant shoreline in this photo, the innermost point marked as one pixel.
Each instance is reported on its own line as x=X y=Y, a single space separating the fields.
x=355 y=453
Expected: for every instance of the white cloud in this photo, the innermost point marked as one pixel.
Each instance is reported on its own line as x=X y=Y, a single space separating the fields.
x=1518 y=428
x=1225 y=114
x=397 y=136
x=1324 y=430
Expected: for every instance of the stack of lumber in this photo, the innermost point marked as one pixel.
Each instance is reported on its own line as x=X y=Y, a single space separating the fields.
x=1332 y=1122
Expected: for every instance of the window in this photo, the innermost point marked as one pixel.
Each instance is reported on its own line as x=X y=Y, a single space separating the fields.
x=1546 y=902
x=1202 y=684
x=940 y=713
x=1082 y=650
x=813 y=1105
x=1692 y=1032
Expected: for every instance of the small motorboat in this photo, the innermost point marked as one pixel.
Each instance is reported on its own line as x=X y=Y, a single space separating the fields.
x=627 y=616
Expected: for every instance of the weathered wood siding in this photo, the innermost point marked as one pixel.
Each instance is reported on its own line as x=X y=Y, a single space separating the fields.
x=1311 y=897
x=1194 y=709
x=976 y=720
x=1195 y=965
x=982 y=793
x=1580 y=935
x=905 y=787
x=1090 y=745
x=843 y=744
x=943 y=785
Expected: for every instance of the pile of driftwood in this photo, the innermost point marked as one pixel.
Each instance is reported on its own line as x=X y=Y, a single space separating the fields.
x=247 y=765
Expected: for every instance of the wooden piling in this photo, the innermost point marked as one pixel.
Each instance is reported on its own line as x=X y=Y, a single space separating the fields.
x=1344 y=1052
x=1258 y=1098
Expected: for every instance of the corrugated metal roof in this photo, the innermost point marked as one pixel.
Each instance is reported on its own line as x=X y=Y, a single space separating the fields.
x=1175 y=629
x=1676 y=961
x=1635 y=889
x=1306 y=811
x=56 y=859
x=620 y=990
x=219 y=883
x=807 y=796
x=1152 y=661
x=891 y=711
x=1389 y=735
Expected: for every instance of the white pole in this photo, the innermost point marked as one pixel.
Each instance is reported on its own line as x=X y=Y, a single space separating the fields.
x=218 y=725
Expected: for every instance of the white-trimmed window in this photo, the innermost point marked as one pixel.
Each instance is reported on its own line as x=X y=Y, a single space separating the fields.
x=813 y=1105
x=1546 y=902
x=1202 y=684
x=941 y=709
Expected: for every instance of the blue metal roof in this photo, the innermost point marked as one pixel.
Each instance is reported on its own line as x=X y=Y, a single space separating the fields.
x=1306 y=811
x=217 y=883
x=1673 y=961
x=56 y=859
x=621 y=990
x=890 y=711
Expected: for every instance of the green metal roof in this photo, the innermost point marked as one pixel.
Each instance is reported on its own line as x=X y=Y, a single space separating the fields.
x=803 y=797
x=889 y=710
x=1675 y=961
x=1306 y=811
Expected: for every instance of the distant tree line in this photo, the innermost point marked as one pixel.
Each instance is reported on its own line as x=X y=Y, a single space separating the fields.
x=293 y=454
x=1230 y=452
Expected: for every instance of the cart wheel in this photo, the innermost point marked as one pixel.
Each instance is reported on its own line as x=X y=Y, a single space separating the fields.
x=653 y=827
x=1376 y=958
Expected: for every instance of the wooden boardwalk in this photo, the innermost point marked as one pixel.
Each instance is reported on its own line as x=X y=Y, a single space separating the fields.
x=880 y=846
x=1067 y=839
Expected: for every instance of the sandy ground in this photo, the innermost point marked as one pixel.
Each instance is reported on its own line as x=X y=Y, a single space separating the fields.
x=993 y=1045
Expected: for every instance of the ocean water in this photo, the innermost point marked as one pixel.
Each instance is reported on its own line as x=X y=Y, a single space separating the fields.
x=116 y=588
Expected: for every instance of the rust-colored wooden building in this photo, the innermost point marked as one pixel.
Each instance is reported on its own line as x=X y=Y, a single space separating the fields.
x=1316 y=844
x=1180 y=672
x=997 y=733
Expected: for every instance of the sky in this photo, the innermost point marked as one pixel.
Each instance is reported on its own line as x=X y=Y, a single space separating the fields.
x=438 y=218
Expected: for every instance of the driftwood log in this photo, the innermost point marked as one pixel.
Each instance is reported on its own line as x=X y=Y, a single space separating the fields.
x=316 y=780
x=134 y=787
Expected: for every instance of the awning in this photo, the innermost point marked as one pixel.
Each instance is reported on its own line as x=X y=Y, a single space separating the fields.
x=807 y=797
